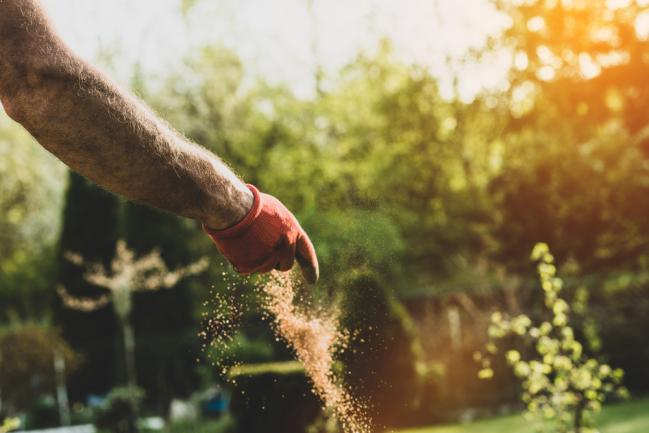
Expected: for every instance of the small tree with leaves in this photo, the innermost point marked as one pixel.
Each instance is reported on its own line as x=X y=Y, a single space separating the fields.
x=9 y=424
x=560 y=382
x=127 y=274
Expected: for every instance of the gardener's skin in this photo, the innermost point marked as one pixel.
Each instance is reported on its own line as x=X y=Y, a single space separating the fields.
x=102 y=132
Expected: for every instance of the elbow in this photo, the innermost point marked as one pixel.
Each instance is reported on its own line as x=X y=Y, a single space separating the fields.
x=25 y=96
x=14 y=106
x=12 y=88
x=14 y=99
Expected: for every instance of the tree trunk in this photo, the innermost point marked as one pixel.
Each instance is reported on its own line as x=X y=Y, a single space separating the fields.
x=579 y=414
x=61 y=389
x=129 y=361
x=1 y=407
x=129 y=355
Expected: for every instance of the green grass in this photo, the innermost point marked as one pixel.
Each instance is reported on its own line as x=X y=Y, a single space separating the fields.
x=222 y=425
x=629 y=417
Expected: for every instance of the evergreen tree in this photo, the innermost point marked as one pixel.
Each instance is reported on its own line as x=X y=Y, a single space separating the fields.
x=90 y=225
x=164 y=321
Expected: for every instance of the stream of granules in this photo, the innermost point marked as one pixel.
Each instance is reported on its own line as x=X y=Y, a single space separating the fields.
x=315 y=336
x=313 y=333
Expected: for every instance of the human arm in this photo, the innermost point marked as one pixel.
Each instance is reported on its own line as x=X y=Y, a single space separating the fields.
x=102 y=132
x=107 y=135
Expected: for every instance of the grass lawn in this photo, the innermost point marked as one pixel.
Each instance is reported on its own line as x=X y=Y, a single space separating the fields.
x=629 y=417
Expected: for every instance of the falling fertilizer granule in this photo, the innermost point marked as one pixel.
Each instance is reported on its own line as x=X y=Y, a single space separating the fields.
x=312 y=332
x=315 y=337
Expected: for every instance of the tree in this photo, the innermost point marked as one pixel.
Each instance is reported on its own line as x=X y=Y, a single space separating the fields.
x=575 y=141
x=561 y=382
x=90 y=228
x=165 y=322
x=402 y=151
x=585 y=56
x=30 y=199
x=125 y=276
x=28 y=354
x=382 y=142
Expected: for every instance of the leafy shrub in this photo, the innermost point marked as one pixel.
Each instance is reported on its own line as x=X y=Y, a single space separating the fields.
x=272 y=398
x=27 y=367
x=383 y=356
x=118 y=414
x=560 y=381
x=81 y=414
x=9 y=424
x=244 y=349
x=43 y=413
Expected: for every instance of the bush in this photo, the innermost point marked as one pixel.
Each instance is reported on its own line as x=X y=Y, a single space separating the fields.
x=560 y=381
x=43 y=414
x=272 y=398
x=27 y=367
x=382 y=359
x=243 y=349
x=9 y=424
x=118 y=413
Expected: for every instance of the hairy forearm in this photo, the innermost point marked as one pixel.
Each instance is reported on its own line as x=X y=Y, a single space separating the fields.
x=102 y=132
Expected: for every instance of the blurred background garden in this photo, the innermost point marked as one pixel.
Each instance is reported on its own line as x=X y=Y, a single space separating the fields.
x=427 y=147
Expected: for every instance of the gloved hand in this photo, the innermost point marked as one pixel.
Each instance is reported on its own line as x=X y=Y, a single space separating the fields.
x=269 y=237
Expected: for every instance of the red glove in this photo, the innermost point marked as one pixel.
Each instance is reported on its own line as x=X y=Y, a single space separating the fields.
x=269 y=237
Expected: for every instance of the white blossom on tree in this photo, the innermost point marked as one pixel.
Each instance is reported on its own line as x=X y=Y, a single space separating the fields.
x=125 y=275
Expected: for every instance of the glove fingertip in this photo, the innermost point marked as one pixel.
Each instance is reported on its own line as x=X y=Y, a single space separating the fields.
x=307 y=258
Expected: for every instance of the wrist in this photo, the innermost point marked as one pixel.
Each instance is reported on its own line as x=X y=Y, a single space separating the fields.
x=243 y=206
x=242 y=225
x=240 y=204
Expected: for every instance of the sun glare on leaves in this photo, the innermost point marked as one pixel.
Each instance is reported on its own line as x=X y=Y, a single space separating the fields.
x=642 y=25
x=521 y=61
x=546 y=73
x=618 y=4
x=522 y=99
x=536 y=24
x=588 y=67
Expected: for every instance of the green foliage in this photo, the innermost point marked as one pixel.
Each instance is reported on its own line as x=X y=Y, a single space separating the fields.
x=326 y=422
x=90 y=229
x=575 y=147
x=244 y=349
x=27 y=354
x=560 y=381
x=118 y=413
x=355 y=240
x=30 y=195
x=382 y=361
x=273 y=398
x=386 y=175
x=43 y=413
x=30 y=201
x=542 y=193
x=9 y=424
x=395 y=147
x=376 y=163
x=164 y=321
